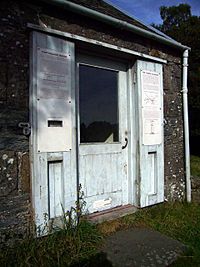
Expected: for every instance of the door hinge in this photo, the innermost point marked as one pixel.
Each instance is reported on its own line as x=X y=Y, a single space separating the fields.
x=134 y=77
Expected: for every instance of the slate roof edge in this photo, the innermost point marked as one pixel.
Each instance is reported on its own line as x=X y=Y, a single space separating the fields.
x=80 y=9
x=143 y=23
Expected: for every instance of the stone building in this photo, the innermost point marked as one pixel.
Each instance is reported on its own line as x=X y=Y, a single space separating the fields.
x=90 y=96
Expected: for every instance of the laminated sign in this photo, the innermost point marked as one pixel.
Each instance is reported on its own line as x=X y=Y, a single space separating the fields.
x=151 y=108
x=54 y=100
x=53 y=74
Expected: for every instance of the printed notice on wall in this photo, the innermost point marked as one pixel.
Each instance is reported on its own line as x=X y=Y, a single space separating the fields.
x=53 y=74
x=151 y=108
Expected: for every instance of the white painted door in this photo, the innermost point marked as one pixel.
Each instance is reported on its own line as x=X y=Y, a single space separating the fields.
x=52 y=103
x=103 y=140
x=149 y=90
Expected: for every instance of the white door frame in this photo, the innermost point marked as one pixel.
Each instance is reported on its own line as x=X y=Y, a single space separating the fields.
x=96 y=148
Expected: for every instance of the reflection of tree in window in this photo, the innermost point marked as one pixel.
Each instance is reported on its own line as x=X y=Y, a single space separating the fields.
x=98 y=100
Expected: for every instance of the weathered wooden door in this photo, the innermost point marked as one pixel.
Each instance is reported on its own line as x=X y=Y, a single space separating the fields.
x=149 y=90
x=103 y=140
x=52 y=118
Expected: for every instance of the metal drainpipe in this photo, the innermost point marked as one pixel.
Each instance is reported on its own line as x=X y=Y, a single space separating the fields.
x=114 y=22
x=186 y=125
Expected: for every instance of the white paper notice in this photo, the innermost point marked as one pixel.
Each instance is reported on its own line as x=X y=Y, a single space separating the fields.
x=53 y=72
x=151 y=108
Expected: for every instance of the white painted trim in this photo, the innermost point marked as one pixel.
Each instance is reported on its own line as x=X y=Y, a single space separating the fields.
x=132 y=137
x=95 y=42
x=32 y=118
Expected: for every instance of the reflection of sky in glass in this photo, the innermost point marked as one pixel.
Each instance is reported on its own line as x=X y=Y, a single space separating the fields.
x=98 y=95
x=98 y=103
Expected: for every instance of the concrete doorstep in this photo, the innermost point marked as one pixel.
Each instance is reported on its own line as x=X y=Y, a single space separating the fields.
x=141 y=247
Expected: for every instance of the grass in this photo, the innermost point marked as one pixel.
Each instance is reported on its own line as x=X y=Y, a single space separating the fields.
x=72 y=241
x=62 y=248
x=180 y=221
x=195 y=166
x=79 y=246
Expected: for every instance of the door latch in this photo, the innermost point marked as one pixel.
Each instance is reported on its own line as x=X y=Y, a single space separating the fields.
x=126 y=140
x=26 y=128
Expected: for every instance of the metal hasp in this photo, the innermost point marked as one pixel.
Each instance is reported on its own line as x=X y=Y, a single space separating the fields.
x=26 y=128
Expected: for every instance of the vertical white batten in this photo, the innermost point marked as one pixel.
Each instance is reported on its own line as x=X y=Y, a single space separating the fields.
x=186 y=125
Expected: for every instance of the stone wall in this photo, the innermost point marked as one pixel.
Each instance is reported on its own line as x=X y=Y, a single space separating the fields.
x=173 y=131
x=14 y=98
x=15 y=212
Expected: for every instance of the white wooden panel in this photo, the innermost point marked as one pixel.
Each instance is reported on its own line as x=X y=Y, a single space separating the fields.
x=101 y=173
x=52 y=181
x=69 y=179
x=152 y=173
x=96 y=149
x=55 y=171
x=151 y=156
x=41 y=189
x=53 y=110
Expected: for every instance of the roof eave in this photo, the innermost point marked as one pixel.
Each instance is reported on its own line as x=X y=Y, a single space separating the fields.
x=115 y=22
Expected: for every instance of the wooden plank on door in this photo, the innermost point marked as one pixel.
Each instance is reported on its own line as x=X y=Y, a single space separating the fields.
x=55 y=178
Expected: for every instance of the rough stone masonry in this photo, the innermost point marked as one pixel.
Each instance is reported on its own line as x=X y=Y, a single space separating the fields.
x=15 y=190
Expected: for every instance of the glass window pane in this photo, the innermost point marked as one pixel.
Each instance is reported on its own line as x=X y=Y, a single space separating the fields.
x=98 y=105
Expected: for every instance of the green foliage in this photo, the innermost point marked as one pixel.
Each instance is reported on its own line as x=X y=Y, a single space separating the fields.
x=78 y=246
x=178 y=220
x=195 y=166
x=71 y=240
x=182 y=222
x=62 y=248
x=174 y=16
x=180 y=24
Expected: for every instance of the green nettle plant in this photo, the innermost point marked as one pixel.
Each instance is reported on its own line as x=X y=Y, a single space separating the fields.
x=70 y=219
